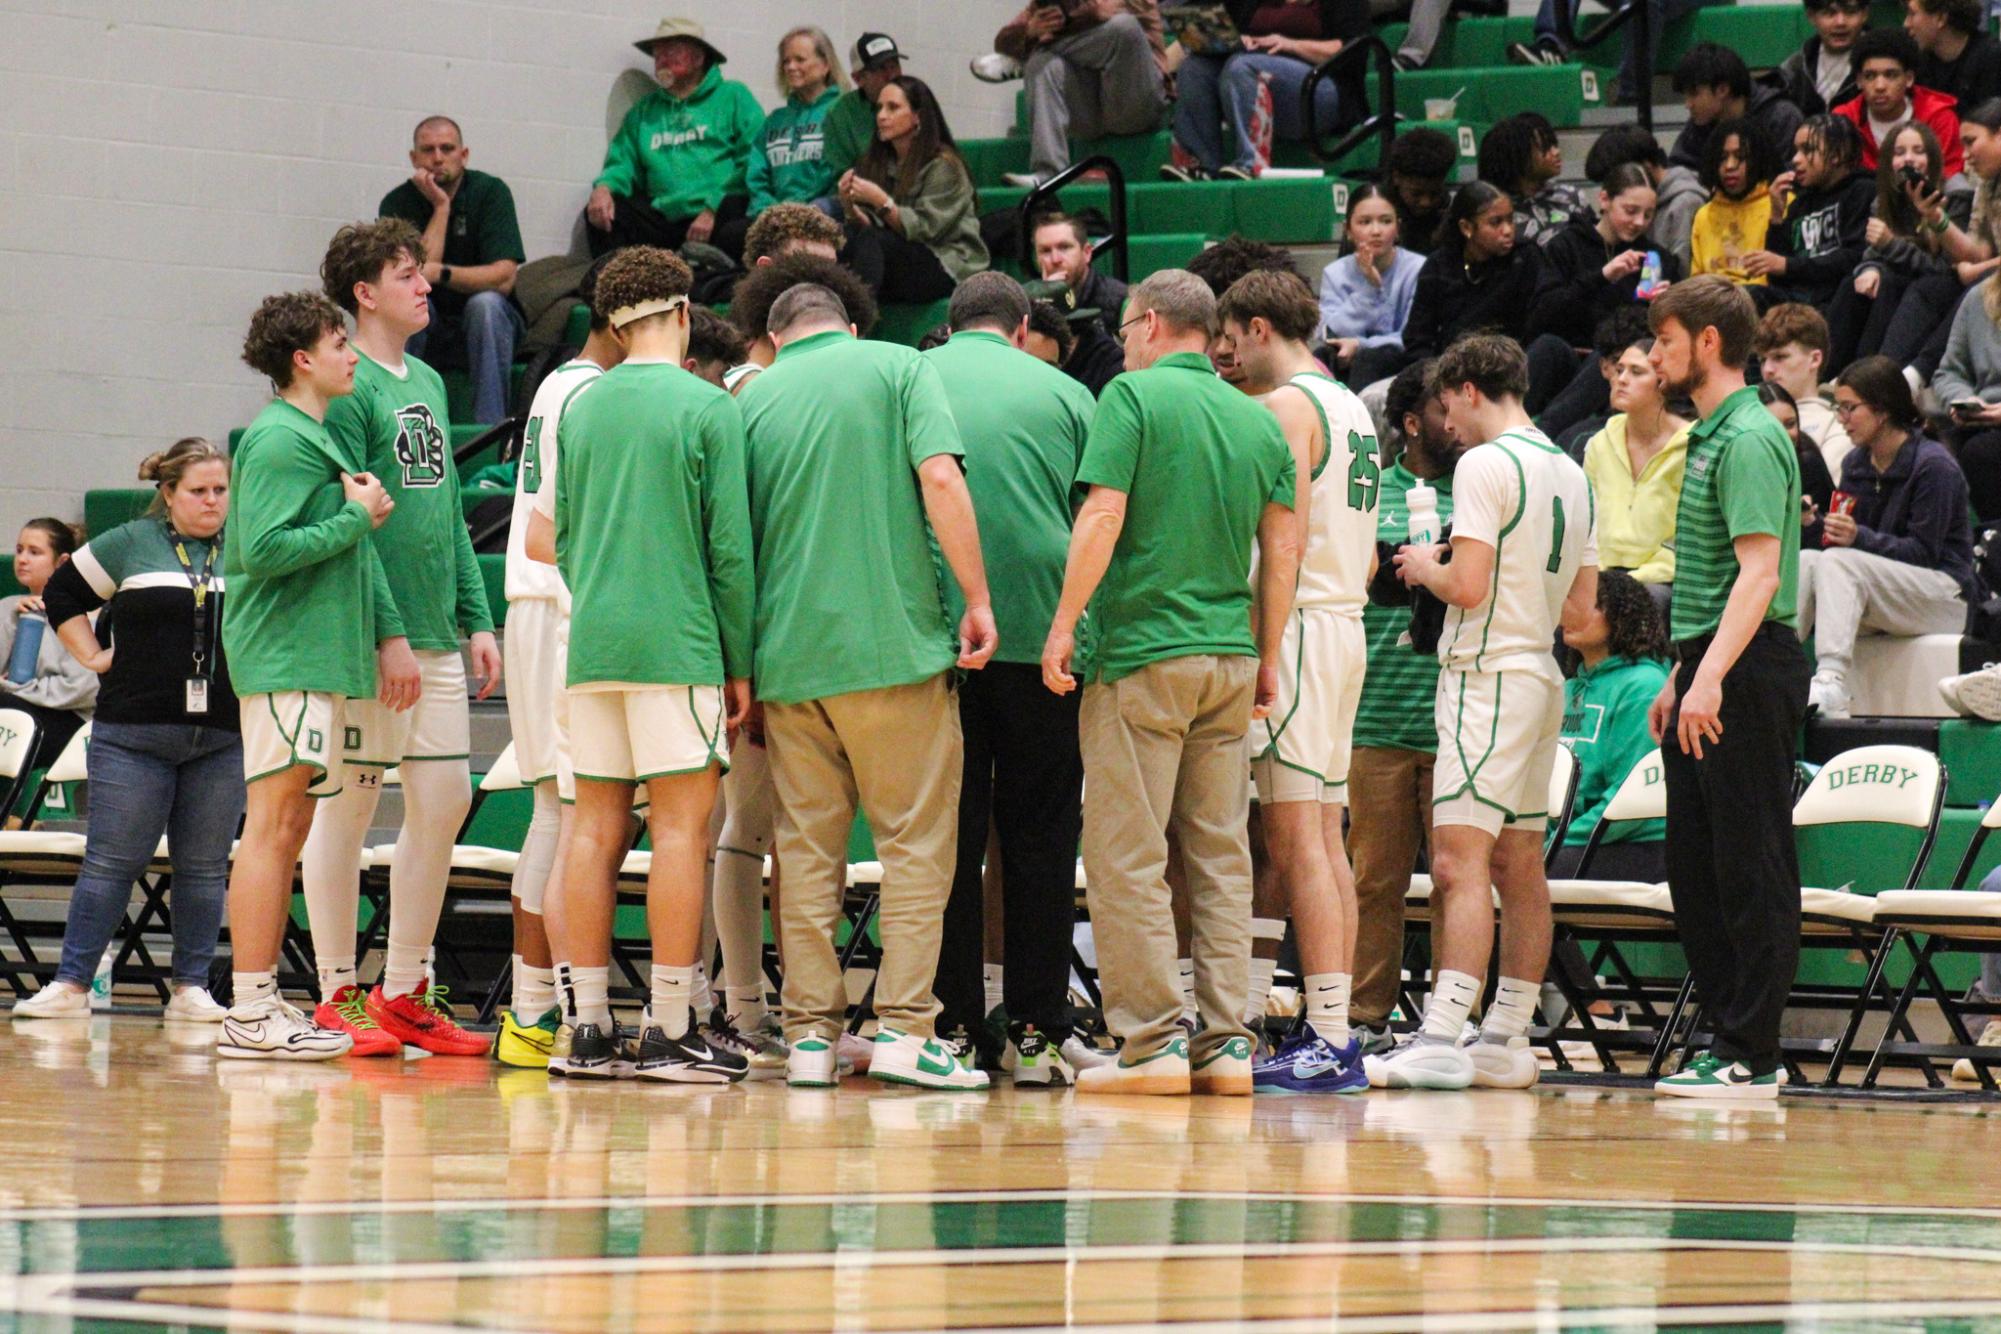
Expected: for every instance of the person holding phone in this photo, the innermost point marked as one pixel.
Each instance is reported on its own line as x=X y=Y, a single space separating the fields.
x=1906 y=237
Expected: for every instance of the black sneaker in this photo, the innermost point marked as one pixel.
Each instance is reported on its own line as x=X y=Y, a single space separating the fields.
x=1234 y=173
x=1404 y=64
x=1184 y=175
x=1534 y=53
x=688 y=1059
x=590 y=1053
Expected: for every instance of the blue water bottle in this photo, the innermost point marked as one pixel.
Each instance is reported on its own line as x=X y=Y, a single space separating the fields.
x=27 y=652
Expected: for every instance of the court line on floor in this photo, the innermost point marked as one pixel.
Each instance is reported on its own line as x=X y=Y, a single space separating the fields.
x=1043 y=1195
x=56 y=1294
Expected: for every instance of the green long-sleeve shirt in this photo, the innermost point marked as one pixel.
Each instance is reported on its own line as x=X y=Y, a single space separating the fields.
x=685 y=155
x=1605 y=721
x=849 y=128
x=301 y=573
x=395 y=426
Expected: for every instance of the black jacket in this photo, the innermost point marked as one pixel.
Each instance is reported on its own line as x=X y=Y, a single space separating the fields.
x=1106 y=295
x=1097 y=359
x=1793 y=80
x=1573 y=294
x=1774 y=119
x=1822 y=238
x=1452 y=300
x=1916 y=511
x=1973 y=78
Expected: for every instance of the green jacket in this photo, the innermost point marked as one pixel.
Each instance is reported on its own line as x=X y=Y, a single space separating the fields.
x=1605 y=721
x=942 y=214
x=788 y=163
x=685 y=156
x=850 y=129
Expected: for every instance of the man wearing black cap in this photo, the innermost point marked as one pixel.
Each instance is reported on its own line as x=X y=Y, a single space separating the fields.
x=676 y=169
x=850 y=123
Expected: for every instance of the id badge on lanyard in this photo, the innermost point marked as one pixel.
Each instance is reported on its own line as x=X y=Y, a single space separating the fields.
x=196 y=690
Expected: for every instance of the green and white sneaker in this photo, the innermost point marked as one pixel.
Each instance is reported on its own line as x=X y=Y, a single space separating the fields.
x=1035 y=1062
x=1708 y=1077
x=1163 y=1073
x=1225 y=1071
x=811 y=1064
x=905 y=1058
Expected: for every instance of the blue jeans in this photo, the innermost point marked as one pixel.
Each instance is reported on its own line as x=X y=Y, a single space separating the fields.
x=1662 y=12
x=1219 y=93
x=147 y=779
x=482 y=340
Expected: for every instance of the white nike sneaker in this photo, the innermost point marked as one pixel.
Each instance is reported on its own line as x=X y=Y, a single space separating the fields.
x=812 y=1064
x=905 y=1058
x=57 y=1000
x=1977 y=693
x=1418 y=1063
x=193 y=1005
x=993 y=67
x=1084 y=1056
x=271 y=1030
x=1503 y=1065
x=1829 y=694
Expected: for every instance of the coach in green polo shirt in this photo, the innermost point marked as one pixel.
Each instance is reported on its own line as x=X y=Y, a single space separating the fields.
x=1184 y=473
x=1728 y=717
x=1023 y=424
x=853 y=468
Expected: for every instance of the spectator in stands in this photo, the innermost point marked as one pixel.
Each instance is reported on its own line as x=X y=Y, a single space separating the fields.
x=752 y=298
x=1365 y=295
x=1635 y=465
x=1480 y=280
x=1678 y=190
x=474 y=241
x=1426 y=20
x=1091 y=68
x=677 y=170
x=1715 y=86
x=1816 y=486
x=1063 y=254
x=1090 y=356
x=1901 y=562
x=1968 y=383
x=1396 y=741
x=788 y=161
x=158 y=763
x=1523 y=156
x=1791 y=347
x=1615 y=333
x=1549 y=48
x=61 y=691
x=1905 y=242
x=1219 y=266
x=1886 y=65
x=1821 y=218
x=1739 y=212
x=1417 y=169
x=791 y=229
x=1821 y=74
x=1917 y=336
x=1283 y=43
x=913 y=225
x=849 y=128
x=1956 y=56
x=1622 y=649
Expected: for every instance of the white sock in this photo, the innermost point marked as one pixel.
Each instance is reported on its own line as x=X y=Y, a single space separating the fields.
x=534 y=990
x=1188 y=1009
x=990 y=976
x=703 y=997
x=249 y=988
x=1452 y=997
x=1513 y=1009
x=672 y=990
x=335 y=974
x=403 y=971
x=590 y=990
x=744 y=1008
x=1327 y=1006
x=1260 y=992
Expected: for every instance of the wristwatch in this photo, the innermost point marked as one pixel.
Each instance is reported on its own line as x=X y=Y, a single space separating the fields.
x=444 y=275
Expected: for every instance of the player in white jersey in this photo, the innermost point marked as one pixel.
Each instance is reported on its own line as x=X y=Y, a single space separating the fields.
x=538 y=613
x=1524 y=557
x=1300 y=752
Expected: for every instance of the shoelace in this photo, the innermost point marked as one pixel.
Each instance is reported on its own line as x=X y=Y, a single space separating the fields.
x=726 y=1036
x=432 y=999
x=355 y=1010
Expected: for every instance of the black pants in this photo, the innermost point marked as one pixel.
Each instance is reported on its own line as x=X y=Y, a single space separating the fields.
x=1552 y=366
x=1860 y=325
x=1980 y=460
x=1916 y=337
x=634 y=221
x=1642 y=862
x=1022 y=768
x=1732 y=870
x=1585 y=395
x=895 y=267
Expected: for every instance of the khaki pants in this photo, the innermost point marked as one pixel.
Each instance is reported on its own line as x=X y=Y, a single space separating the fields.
x=1389 y=820
x=899 y=751
x=1164 y=749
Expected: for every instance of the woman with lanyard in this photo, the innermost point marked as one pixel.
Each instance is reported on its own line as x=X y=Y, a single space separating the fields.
x=165 y=754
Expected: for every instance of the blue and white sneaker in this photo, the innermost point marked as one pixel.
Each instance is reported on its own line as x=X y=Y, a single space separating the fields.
x=1308 y=1063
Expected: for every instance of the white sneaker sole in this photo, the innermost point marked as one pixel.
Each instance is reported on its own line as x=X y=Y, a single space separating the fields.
x=82 y=1011
x=1514 y=1069
x=958 y=1083
x=681 y=1074
x=1980 y=695
x=279 y=1053
x=1421 y=1073
x=1719 y=1092
x=1044 y=1076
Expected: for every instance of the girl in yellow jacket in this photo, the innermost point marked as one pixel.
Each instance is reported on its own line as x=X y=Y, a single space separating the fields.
x=1635 y=467
x=1734 y=221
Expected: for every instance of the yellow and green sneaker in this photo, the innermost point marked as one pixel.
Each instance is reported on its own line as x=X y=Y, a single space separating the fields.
x=526 y=1046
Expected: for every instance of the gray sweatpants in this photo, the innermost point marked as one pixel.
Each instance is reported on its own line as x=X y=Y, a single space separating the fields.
x=1100 y=81
x=1427 y=20
x=1850 y=591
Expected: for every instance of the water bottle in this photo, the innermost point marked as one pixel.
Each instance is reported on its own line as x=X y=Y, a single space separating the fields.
x=27 y=652
x=100 y=985
x=1423 y=503
x=1650 y=277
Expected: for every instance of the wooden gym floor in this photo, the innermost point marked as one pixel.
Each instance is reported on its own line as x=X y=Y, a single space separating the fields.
x=146 y=1184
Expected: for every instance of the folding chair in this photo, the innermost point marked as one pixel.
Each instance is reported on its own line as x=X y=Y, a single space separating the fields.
x=18 y=734
x=37 y=856
x=1955 y=920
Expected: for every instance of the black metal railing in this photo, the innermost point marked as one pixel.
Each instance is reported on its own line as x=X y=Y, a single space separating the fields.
x=1639 y=13
x=1381 y=123
x=1034 y=203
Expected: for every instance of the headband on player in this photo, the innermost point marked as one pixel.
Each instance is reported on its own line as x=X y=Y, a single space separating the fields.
x=639 y=310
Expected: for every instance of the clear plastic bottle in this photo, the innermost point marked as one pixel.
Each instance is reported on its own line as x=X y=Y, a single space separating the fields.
x=1422 y=501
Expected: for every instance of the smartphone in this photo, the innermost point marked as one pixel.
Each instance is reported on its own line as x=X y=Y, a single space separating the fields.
x=1913 y=175
x=1966 y=406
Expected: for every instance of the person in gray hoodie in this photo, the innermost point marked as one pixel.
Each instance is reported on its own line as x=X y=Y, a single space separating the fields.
x=1968 y=383
x=1678 y=191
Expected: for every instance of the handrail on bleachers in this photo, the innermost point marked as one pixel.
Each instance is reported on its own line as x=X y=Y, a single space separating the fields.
x=1115 y=176
x=1382 y=122
x=508 y=430
x=1640 y=16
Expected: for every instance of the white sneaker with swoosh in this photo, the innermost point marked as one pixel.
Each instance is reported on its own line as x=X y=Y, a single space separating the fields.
x=905 y=1058
x=268 y=1029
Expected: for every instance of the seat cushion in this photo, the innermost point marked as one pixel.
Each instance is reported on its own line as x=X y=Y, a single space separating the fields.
x=1611 y=905
x=1835 y=910
x=37 y=852
x=1960 y=914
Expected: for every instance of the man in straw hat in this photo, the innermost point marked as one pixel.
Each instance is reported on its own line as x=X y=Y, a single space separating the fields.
x=675 y=171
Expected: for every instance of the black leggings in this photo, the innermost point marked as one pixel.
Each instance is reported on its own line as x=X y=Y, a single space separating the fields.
x=895 y=267
x=1980 y=460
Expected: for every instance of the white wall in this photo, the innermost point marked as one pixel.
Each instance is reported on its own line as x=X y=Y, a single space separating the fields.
x=164 y=164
